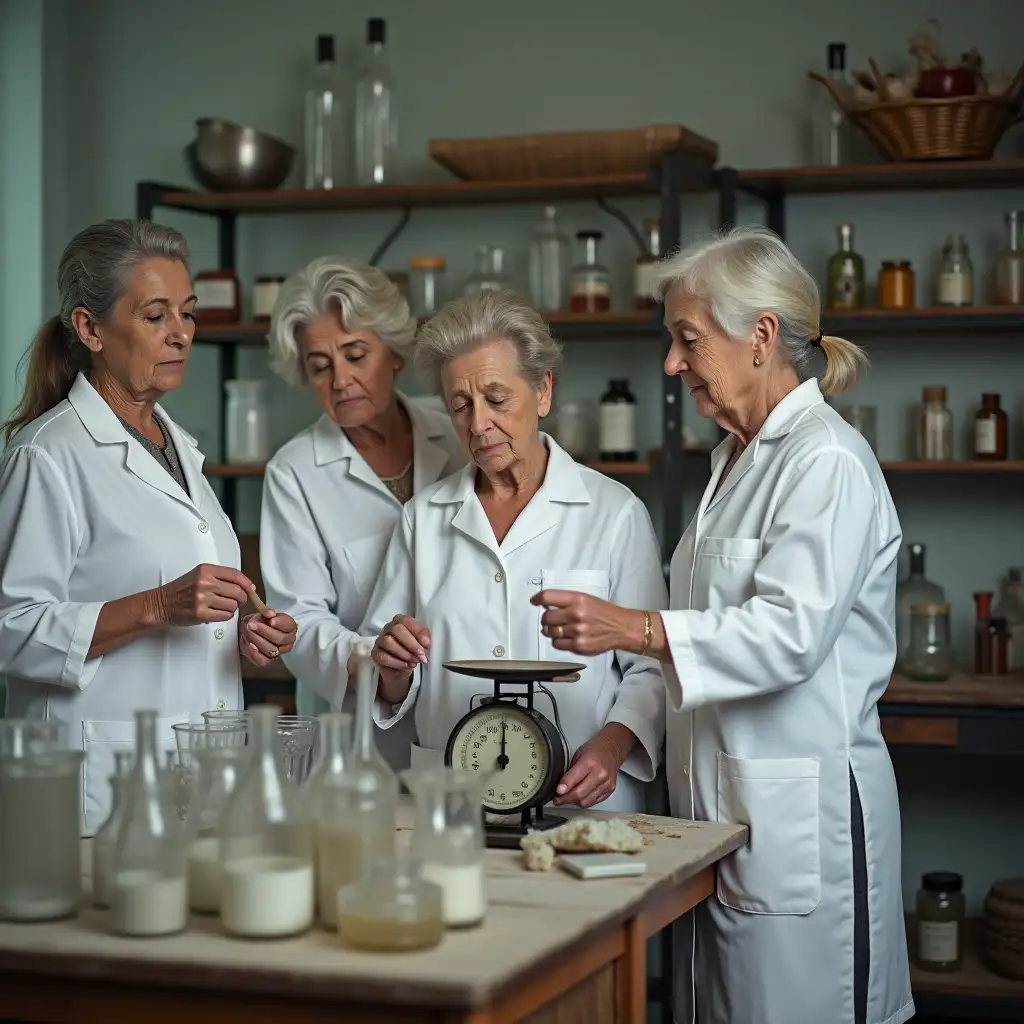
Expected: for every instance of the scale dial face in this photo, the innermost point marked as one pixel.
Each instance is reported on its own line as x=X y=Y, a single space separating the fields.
x=524 y=770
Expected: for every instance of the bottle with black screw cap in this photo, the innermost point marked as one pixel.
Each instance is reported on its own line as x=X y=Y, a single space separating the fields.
x=376 y=120
x=830 y=128
x=617 y=428
x=322 y=119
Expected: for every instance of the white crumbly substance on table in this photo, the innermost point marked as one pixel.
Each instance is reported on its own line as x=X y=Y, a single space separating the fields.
x=581 y=835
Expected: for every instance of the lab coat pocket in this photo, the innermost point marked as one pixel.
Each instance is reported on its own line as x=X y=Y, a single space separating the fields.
x=100 y=740
x=723 y=571
x=584 y=581
x=779 y=869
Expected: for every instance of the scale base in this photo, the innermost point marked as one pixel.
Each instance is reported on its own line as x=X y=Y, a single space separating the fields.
x=506 y=837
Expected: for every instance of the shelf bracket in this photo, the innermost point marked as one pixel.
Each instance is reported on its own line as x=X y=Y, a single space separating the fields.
x=389 y=238
x=615 y=212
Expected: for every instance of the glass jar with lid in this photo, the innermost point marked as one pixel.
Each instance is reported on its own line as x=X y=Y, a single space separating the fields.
x=426 y=281
x=956 y=275
x=928 y=656
x=896 y=285
x=248 y=424
x=590 y=287
x=488 y=273
x=940 y=921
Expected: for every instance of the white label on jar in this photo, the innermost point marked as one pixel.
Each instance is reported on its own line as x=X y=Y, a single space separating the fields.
x=264 y=295
x=590 y=288
x=985 y=436
x=214 y=294
x=643 y=280
x=955 y=289
x=938 y=942
x=618 y=427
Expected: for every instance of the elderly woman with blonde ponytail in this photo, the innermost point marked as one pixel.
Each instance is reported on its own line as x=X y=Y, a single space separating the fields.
x=778 y=642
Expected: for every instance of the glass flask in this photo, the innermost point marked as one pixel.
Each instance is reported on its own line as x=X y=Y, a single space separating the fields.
x=449 y=839
x=489 y=272
x=266 y=849
x=339 y=845
x=391 y=908
x=217 y=773
x=550 y=254
x=40 y=822
x=106 y=835
x=296 y=745
x=928 y=656
x=149 y=895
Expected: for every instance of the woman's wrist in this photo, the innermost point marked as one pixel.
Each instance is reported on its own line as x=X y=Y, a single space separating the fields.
x=643 y=634
x=620 y=738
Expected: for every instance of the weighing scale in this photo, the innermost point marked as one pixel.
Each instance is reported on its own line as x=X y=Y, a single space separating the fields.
x=525 y=752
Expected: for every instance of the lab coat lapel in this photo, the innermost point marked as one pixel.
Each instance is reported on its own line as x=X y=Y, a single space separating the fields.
x=331 y=445
x=190 y=457
x=469 y=519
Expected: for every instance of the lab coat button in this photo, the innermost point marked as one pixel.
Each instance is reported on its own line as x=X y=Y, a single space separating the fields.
x=219 y=633
x=222 y=705
x=499 y=577
x=204 y=527
x=499 y=651
x=536 y=581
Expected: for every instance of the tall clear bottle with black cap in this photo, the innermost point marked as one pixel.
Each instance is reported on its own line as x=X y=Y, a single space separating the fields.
x=376 y=118
x=323 y=120
x=830 y=128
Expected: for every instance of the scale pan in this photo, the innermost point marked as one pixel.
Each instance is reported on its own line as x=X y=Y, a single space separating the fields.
x=508 y=671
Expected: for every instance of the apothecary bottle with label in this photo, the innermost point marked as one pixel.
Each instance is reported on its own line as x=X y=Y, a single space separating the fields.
x=934 y=427
x=940 y=921
x=647 y=266
x=617 y=424
x=590 y=288
x=956 y=276
x=990 y=429
x=845 y=284
x=218 y=297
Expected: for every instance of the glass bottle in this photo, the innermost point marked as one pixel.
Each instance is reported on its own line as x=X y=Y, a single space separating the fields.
x=617 y=423
x=40 y=822
x=983 y=662
x=956 y=275
x=590 y=289
x=896 y=285
x=376 y=116
x=149 y=895
x=266 y=849
x=646 y=267
x=449 y=839
x=549 y=265
x=488 y=273
x=830 y=129
x=426 y=282
x=1011 y=608
x=990 y=429
x=845 y=286
x=296 y=745
x=934 y=427
x=940 y=921
x=928 y=656
x=218 y=769
x=339 y=844
x=1008 y=276
x=915 y=589
x=323 y=117
x=106 y=835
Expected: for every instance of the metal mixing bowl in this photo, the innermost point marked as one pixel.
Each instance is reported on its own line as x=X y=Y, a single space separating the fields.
x=225 y=156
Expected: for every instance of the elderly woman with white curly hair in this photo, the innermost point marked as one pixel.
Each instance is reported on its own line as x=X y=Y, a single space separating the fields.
x=332 y=494
x=777 y=643
x=469 y=551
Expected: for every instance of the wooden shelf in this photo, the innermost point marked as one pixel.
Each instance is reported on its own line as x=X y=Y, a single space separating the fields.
x=925 y=320
x=959 y=691
x=956 y=466
x=233 y=470
x=910 y=177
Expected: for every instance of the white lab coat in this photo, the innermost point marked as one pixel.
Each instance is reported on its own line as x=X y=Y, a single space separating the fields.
x=581 y=531
x=325 y=525
x=782 y=641
x=87 y=515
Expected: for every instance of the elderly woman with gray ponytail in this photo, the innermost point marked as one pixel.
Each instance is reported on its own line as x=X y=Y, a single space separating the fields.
x=119 y=573
x=778 y=641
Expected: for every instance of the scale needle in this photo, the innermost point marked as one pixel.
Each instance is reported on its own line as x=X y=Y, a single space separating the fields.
x=503 y=757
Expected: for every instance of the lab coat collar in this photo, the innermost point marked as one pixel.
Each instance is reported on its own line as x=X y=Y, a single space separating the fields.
x=102 y=423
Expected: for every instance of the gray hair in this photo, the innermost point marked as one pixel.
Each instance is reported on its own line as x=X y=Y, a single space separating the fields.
x=475 y=320
x=364 y=297
x=93 y=273
x=740 y=273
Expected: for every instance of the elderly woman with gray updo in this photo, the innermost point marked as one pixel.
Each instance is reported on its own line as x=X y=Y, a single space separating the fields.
x=469 y=552
x=332 y=494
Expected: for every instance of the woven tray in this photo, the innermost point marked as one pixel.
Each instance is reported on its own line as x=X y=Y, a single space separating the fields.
x=560 y=155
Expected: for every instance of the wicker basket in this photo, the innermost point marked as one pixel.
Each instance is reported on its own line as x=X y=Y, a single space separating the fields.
x=957 y=128
x=560 y=155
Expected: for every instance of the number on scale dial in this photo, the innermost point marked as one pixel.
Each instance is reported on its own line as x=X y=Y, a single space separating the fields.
x=503 y=739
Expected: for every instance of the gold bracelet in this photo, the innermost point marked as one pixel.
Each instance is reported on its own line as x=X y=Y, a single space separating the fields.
x=648 y=634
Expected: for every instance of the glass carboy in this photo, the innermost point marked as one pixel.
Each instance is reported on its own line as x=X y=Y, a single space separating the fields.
x=928 y=655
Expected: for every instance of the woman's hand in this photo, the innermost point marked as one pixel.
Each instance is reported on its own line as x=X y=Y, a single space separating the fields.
x=582 y=624
x=263 y=636
x=595 y=768
x=208 y=593
x=402 y=646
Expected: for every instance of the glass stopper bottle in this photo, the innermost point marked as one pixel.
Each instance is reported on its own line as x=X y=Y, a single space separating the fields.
x=323 y=116
x=106 y=835
x=549 y=265
x=934 y=427
x=956 y=276
x=589 y=282
x=266 y=848
x=1009 y=266
x=149 y=895
x=845 y=286
x=488 y=273
x=830 y=129
x=915 y=589
x=376 y=116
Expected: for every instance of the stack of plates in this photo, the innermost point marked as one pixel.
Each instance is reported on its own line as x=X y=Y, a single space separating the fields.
x=1003 y=928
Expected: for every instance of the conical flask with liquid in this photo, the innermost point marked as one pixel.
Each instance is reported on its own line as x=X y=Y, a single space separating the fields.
x=106 y=835
x=266 y=848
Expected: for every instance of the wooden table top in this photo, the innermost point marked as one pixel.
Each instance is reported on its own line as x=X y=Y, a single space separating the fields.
x=532 y=918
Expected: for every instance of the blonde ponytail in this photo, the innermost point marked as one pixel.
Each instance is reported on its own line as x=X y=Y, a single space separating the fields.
x=843 y=362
